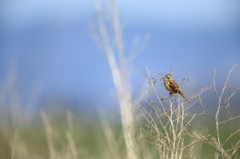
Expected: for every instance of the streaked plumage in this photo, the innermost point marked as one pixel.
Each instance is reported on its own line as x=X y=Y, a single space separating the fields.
x=172 y=86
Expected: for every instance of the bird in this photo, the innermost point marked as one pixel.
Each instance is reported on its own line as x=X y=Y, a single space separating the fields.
x=172 y=86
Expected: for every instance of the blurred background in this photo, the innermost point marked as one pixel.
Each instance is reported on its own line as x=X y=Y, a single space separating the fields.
x=49 y=60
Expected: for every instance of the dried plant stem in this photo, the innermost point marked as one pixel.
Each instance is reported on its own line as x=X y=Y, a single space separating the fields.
x=14 y=145
x=109 y=135
x=119 y=72
x=48 y=132
x=70 y=137
x=168 y=128
x=220 y=99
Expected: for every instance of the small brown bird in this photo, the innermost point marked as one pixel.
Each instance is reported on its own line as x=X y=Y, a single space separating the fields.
x=172 y=86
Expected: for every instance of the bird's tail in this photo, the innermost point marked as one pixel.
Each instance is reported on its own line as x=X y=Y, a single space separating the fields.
x=185 y=98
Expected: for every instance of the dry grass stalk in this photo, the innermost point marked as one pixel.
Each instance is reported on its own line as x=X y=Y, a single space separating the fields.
x=49 y=134
x=118 y=64
x=168 y=125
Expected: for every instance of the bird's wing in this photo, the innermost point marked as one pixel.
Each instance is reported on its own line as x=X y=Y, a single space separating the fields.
x=173 y=85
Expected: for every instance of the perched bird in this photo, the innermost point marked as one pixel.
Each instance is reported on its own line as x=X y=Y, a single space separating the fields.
x=172 y=86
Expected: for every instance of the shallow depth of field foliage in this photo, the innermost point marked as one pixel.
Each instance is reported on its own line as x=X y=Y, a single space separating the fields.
x=153 y=126
x=165 y=128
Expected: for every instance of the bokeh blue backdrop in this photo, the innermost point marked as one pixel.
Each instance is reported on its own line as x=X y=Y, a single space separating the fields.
x=50 y=45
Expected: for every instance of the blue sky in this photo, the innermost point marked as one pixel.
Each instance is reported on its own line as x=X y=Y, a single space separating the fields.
x=50 y=44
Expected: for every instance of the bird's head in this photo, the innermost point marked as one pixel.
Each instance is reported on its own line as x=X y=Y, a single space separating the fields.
x=166 y=77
